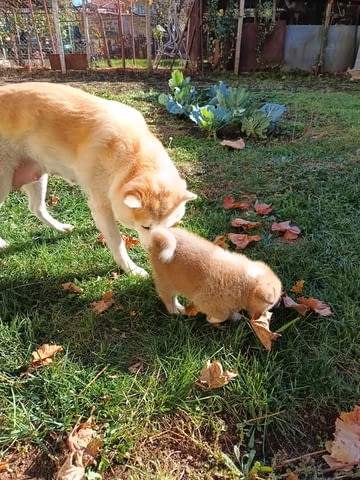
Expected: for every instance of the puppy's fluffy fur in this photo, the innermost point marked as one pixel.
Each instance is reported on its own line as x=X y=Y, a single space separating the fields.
x=101 y=145
x=218 y=282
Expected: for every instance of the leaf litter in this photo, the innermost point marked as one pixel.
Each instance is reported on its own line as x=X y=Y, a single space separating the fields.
x=213 y=375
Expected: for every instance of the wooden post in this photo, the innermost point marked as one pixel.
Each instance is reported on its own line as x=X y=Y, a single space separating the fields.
x=50 y=27
x=148 y=4
x=121 y=33
x=132 y=32
x=86 y=31
x=238 y=37
x=103 y=34
x=59 y=43
x=38 y=41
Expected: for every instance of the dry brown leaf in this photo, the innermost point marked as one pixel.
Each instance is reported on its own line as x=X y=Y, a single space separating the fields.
x=290 y=303
x=221 y=241
x=101 y=239
x=245 y=224
x=42 y=356
x=317 y=305
x=263 y=208
x=53 y=200
x=71 y=287
x=261 y=327
x=214 y=376
x=241 y=240
x=4 y=466
x=130 y=241
x=136 y=367
x=345 y=448
x=290 y=232
x=68 y=471
x=191 y=310
x=236 y=144
x=298 y=287
x=292 y=476
x=104 y=304
x=229 y=202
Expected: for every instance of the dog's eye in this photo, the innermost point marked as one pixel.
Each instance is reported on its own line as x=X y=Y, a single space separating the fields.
x=146 y=228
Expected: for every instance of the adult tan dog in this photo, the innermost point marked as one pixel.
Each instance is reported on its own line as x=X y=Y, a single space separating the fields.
x=103 y=146
x=219 y=283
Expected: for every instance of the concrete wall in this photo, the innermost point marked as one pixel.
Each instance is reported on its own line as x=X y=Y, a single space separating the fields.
x=302 y=46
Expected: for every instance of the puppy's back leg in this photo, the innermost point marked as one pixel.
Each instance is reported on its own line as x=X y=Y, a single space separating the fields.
x=36 y=192
x=168 y=296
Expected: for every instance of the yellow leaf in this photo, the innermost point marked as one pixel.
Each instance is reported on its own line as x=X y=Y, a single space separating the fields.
x=298 y=287
x=42 y=356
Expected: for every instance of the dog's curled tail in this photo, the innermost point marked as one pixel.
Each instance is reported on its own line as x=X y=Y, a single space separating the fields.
x=164 y=242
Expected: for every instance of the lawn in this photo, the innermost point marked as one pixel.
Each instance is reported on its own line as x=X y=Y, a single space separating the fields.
x=135 y=368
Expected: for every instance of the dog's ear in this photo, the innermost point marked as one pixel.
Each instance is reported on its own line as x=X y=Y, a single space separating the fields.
x=132 y=200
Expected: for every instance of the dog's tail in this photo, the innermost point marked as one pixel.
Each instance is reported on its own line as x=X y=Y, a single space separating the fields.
x=164 y=243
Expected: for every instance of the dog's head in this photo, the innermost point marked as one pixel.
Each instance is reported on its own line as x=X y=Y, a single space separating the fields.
x=144 y=203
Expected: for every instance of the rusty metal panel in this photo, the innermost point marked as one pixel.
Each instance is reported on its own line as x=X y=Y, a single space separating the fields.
x=302 y=47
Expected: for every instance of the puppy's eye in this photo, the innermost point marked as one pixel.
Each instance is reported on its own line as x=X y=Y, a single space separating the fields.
x=146 y=228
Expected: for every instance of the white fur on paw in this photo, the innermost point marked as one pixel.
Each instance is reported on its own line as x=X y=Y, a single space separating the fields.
x=3 y=244
x=213 y=320
x=140 y=272
x=64 y=227
x=176 y=309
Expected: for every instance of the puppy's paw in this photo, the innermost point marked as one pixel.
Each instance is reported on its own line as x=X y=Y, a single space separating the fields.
x=3 y=244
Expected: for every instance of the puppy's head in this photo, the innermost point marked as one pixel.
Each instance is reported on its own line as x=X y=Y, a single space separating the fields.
x=144 y=203
x=265 y=294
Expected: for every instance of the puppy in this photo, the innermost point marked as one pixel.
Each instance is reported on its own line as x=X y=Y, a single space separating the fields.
x=218 y=282
x=103 y=146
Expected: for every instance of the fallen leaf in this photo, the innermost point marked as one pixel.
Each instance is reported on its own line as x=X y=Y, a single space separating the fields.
x=261 y=327
x=290 y=232
x=298 y=287
x=263 y=208
x=191 y=310
x=229 y=202
x=114 y=275
x=241 y=240
x=68 y=471
x=101 y=239
x=292 y=476
x=53 y=200
x=213 y=375
x=136 y=367
x=130 y=241
x=345 y=448
x=317 y=305
x=245 y=224
x=71 y=287
x=4 y=466
x=104 y=304
x=236 y=144
x=42 y=356
x=80 y=443
x=221 y=241
x=290 y=303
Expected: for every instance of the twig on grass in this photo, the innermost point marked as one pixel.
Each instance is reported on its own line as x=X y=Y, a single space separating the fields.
x=93 y=380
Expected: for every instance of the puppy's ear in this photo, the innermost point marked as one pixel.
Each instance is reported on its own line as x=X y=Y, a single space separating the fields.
x=132 y=200
x=189 y=196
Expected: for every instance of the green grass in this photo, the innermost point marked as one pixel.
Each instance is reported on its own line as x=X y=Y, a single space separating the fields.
x=285 y=400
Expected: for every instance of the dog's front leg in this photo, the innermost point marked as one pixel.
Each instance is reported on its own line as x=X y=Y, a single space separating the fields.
x=5 y=188
x=106 y=223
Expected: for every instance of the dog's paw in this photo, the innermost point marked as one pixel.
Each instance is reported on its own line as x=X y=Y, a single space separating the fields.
x=3 y=244
x=138 y=271
x=176 y=308
x=63 y=227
